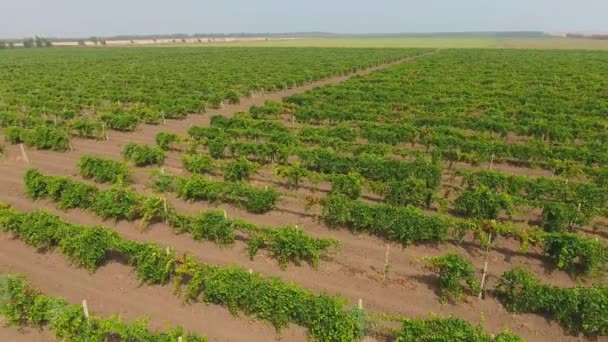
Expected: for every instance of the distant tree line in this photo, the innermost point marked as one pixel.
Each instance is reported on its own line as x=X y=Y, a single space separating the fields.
x=6 y=45
x=36 y=42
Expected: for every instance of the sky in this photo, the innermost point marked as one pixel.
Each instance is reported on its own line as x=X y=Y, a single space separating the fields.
x=84 y=18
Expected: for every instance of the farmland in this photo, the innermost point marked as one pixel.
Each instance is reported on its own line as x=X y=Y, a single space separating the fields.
x=341 y=194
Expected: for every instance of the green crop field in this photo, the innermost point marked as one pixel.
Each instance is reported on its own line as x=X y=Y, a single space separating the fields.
x=424 y=194
x=79 y=88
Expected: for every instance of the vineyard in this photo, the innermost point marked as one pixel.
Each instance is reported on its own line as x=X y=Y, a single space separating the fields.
x=331 y=194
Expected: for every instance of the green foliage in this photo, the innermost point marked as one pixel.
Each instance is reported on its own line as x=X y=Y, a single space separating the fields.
x=294 y=174
x=212 y=225
x=120 y=121
x=46 y=138
x=238 y=170
x=86 y=128
x=290 y=244
x=161 y=181
x=483 y=203
x=269 y=109
x=405 y=225
x=143 y=155
x=435 y=329
x=14 y=135
x=254 y=200
x=576 y=254
x=562 y=216
x=166 y=140
x=67 y=193
x=198 y=163
x=578 y=309
x=217 y=147
x=454 y=271
x=89 y=247
x=348 y=185
x=408 y=192
x=23 y=305
x=118 y=203
x=103 y=170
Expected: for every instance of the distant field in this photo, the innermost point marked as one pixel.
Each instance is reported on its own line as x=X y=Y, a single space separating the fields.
x=437 y=42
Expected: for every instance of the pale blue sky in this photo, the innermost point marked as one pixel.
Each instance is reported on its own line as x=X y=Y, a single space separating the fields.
x=20 y=18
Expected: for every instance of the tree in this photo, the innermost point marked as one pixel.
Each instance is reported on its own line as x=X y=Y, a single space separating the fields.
x=3 y=45
x=39 y=41
x=28 y=43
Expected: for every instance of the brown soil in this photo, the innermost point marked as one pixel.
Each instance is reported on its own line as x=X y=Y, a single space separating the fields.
x=14 y=334
x=355 y=271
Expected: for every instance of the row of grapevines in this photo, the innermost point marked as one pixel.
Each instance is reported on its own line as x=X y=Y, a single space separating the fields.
x=327 y=318
x=483 y=91
x=254 y=200
x=579 y=309
x=226 y=134
x=22 y=305
x=134 y=84
x=448 y=329
x=586 y=197
x=103 y=170
x=143 y=155
x=40 y=137
x=286 y=244
x=570 y=252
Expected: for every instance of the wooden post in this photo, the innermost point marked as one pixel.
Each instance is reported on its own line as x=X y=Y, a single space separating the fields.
x=166 y=210
x=385 y=273
x=23 y=154
x=492 y=161
x=105 y=132
x=162 y=114
x=250 y=271
x=179 y=339
x=85 y=309
x=225 y=215
x=484 y=274
x=483 y=279
x=360 y=305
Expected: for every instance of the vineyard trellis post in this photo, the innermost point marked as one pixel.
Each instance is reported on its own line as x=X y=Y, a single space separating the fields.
x=165 y=207
x=386 y=262
x=85 y=309
x=484 y=274
x=23 y=154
